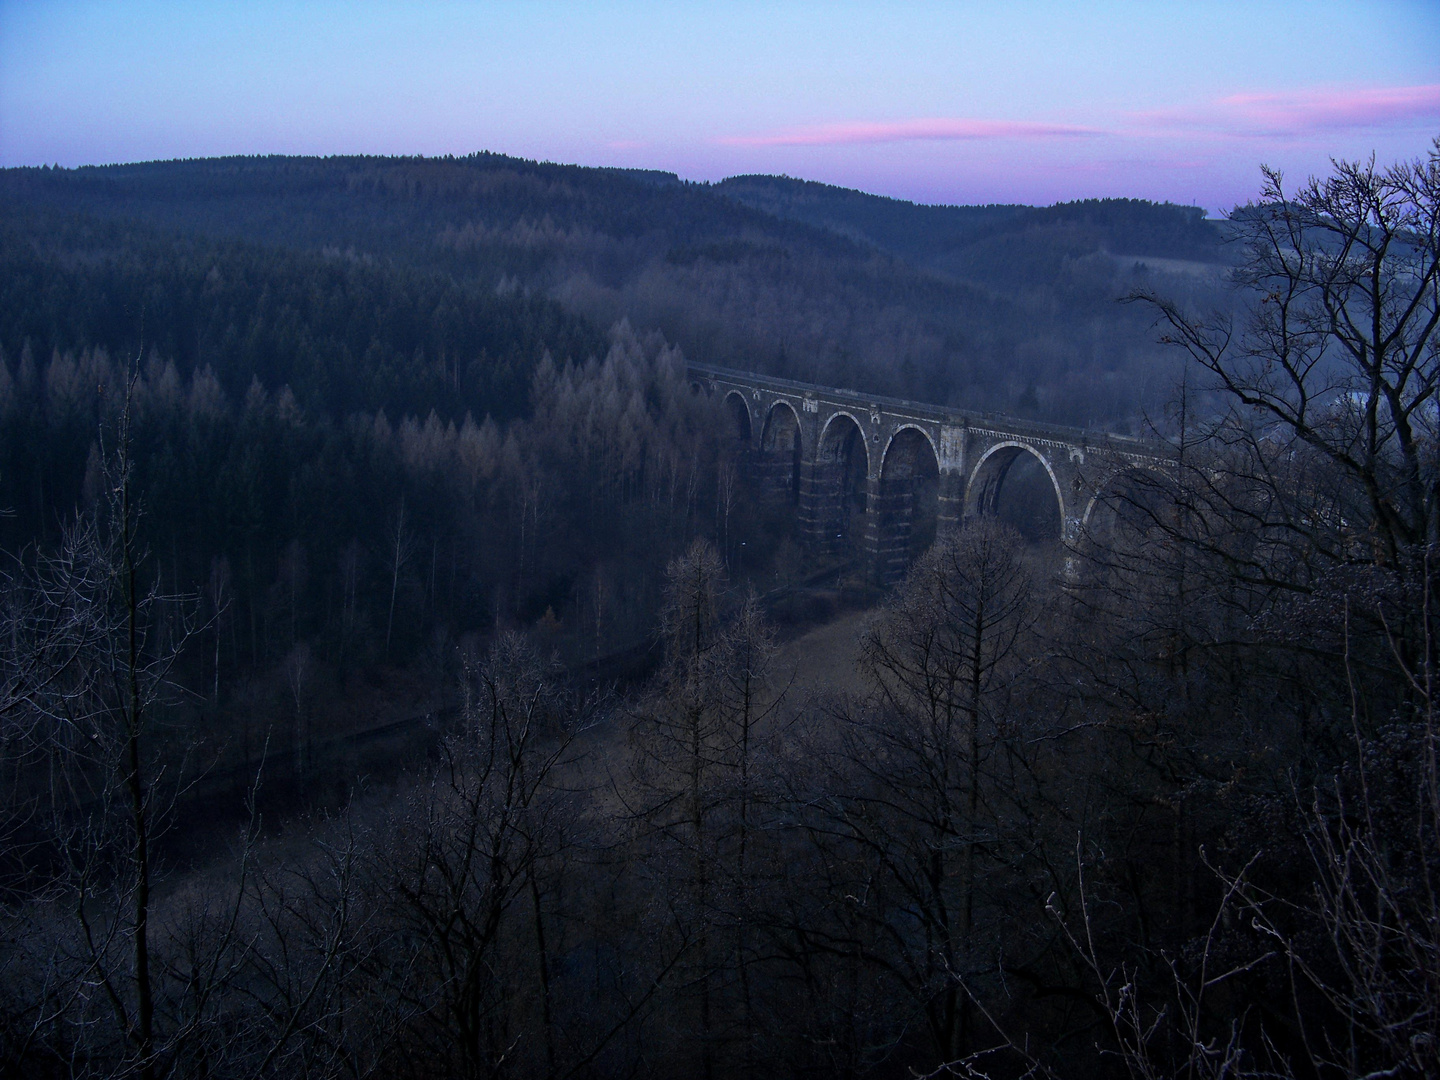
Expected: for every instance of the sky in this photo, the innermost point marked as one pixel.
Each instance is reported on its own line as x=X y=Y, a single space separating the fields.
x=1004 y=101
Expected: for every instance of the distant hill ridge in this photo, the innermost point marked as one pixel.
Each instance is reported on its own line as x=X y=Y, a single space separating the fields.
x=917 y=231
x=930 y=233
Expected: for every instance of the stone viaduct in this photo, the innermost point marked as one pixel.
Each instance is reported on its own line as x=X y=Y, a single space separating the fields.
x=879 y=476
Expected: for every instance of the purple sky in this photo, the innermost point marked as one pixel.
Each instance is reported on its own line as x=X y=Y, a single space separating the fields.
x=954 y=102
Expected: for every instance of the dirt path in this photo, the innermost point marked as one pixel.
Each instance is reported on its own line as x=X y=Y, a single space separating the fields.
x=823 y=658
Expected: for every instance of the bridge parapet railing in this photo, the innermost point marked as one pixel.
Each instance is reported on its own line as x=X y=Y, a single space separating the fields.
x=1125 y=444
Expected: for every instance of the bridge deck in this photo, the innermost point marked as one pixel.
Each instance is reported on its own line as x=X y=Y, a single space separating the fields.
x=1127 y=444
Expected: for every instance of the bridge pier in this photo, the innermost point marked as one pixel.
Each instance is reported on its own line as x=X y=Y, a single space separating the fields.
x=950 y=510
x=834 y=504
x=773 y=474
x=822 y=509
x=892 y=518
x=872 y=547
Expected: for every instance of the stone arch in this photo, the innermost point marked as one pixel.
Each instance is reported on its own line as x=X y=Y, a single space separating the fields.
x=1129 y=496
x=918 y=430
x=984 y=490
x=742 y=428
x=837 y=485
x=907 y=505
x=781 y=450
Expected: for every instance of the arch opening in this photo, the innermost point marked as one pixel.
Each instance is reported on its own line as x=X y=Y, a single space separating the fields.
x=908 y=503
x=835 y=499
x=1013 y=484
x=777 y=464
x=1129 y=510
x=740 y=427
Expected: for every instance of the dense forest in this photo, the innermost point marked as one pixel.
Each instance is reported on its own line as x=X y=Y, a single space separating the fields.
x=407 y=674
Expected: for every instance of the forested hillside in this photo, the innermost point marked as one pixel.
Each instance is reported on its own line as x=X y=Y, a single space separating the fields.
x=936 y=235
x=995 y=308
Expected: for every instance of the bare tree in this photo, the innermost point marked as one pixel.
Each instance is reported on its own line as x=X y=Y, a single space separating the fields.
x=1304 y=518
x=298 y=672
x=1338 y=349
x=699 y=743
x=351 y=561
x=914 y=797
x=461 y=871
x=1363 y=941
x=726 y=493
x=219 y=594
x=132 y=677
x=677 y=743
x=399 y=550
x=91 y=686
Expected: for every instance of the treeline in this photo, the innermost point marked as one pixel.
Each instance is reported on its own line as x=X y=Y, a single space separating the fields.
x=344 y=331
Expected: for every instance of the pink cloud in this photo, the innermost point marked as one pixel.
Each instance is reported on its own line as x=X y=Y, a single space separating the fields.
x=1302 y=112
x=886 y=131
x=1246 y=115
